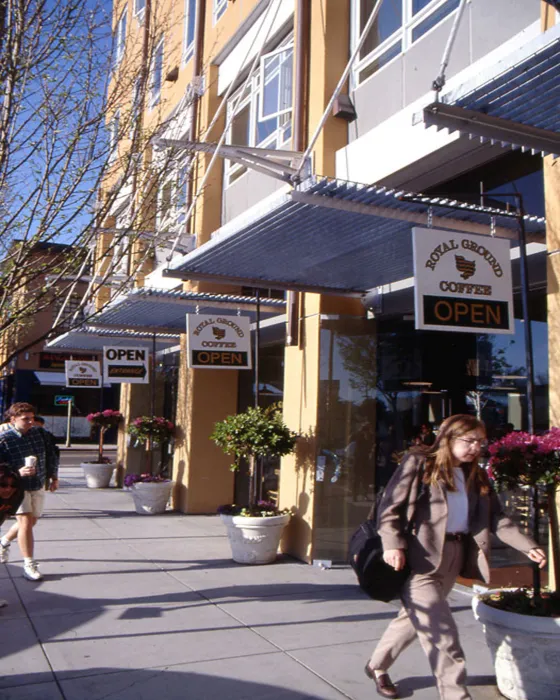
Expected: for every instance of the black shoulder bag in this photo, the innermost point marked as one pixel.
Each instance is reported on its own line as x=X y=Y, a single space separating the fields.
x=365 y=551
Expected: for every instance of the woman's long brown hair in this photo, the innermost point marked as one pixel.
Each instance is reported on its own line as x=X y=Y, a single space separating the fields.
x=440 y=461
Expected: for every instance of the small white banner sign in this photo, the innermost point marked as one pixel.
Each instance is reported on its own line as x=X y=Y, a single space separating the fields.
x=462 y=282
x=126 y=365
x=218 y=342
x=86 y=375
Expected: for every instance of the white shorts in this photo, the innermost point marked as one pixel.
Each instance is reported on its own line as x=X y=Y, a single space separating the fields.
x=33 y=502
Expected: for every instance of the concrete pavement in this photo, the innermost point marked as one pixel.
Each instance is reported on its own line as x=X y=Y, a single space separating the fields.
x=139 y=607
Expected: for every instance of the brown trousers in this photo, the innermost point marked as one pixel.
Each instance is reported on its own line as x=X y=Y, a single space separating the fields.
x=426 y=614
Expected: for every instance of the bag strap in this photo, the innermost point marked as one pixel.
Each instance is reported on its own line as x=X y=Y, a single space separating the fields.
x=417 y=490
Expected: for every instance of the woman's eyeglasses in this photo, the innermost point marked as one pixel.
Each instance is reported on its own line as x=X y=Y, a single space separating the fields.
x=483 y=443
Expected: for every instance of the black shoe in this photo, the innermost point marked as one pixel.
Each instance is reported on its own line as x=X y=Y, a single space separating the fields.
x=383 y=683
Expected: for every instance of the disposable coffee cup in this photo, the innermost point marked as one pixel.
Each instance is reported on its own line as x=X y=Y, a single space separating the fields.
x=31 y=461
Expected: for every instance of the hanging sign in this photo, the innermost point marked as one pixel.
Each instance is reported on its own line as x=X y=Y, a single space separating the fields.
x=218 y=342
x=83 y=374
x=462 y=282
x=126 y=365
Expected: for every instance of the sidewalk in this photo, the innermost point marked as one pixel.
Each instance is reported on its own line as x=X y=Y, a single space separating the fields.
x=139 y=607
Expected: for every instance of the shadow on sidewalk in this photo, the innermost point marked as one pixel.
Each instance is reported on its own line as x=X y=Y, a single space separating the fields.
x=171 y=684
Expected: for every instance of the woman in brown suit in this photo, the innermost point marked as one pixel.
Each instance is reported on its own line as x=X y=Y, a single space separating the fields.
x=437 y=514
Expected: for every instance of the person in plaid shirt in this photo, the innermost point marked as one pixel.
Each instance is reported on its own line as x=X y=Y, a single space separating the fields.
x=19 y=441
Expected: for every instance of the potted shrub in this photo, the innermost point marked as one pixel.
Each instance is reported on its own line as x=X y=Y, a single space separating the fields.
x=98 y=472
x=254 y=530
x=150 y=492
x=522 y=626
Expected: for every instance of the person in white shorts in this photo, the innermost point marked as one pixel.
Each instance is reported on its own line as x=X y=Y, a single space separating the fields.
x=24 y=448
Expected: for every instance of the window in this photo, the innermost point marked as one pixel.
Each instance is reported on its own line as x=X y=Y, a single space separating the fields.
x=156 y=77
x=114 y=135
x=139 y=9
x=190 y=20
x=220 y=7
x=397 y=26
x=172 y=198
x=262 y=114
x=73 y=314
x=120 y=38
x=135 y=106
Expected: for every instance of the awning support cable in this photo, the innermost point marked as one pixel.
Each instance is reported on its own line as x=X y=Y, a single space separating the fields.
x=439 y=82
x=216 y=154
x=296 y=178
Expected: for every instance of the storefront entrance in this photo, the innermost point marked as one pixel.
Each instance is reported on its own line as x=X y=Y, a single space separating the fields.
x=385 y=386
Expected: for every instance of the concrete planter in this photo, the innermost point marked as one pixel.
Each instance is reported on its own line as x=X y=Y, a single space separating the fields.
x=150 y=498
x=98 y=476
x=254 y=540
x=526 y=652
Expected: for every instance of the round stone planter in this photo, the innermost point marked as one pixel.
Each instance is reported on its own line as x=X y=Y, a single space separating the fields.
x=98 y=476
x=254 y=540
x=526 y=652
x=150 y=498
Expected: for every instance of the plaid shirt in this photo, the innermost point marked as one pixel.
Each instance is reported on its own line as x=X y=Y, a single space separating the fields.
x=15 y=447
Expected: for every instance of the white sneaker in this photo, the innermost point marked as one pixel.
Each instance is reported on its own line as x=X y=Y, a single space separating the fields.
x=4 y=553
x=31 y=571
x=3 y=603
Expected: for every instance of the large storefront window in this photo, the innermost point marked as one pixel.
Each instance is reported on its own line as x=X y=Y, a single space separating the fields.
x=382 y=381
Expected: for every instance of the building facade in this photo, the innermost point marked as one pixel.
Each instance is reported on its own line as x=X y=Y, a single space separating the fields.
x=265 y=106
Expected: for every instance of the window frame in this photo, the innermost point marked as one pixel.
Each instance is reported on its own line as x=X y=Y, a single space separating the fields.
x=263 y=81
x=120 y=37
x=139 y=12
x=253 y=98
x=218 y=9
x=402 y=36
x=156 y=97
x=188 y=47
x=114 y=126
x=176 y=180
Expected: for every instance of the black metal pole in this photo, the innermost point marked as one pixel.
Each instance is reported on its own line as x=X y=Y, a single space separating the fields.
x=257 y=464
x=153 y=398
x=529 y=360
x=257 y=345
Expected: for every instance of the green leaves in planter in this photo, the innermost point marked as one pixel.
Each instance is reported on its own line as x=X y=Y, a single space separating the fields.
x=257 y=432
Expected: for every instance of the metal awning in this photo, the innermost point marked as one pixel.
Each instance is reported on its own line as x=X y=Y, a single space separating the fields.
x=334 y=236
x=93 y=338
x=514 y=102
x=155 y=309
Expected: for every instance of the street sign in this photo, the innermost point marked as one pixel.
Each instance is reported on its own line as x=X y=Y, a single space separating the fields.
x=129 y=365
x=63 y=400
x=218 y=342
x=462 y=282
x=84 y=375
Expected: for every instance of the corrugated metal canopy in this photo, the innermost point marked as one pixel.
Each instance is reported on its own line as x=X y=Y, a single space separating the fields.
x=332 y=236
x=515 y=101
x=166 y=309
x=93 y=338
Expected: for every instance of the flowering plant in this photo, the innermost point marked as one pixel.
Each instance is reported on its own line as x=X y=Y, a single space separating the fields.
x=261 y=509
x=524 y=459
x=131 y=479
x=154 y=428
x=104 y=420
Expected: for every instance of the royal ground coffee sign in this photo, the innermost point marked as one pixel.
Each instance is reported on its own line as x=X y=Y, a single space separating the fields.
x=86 y=375
x=218 y=342
x=462 y=282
